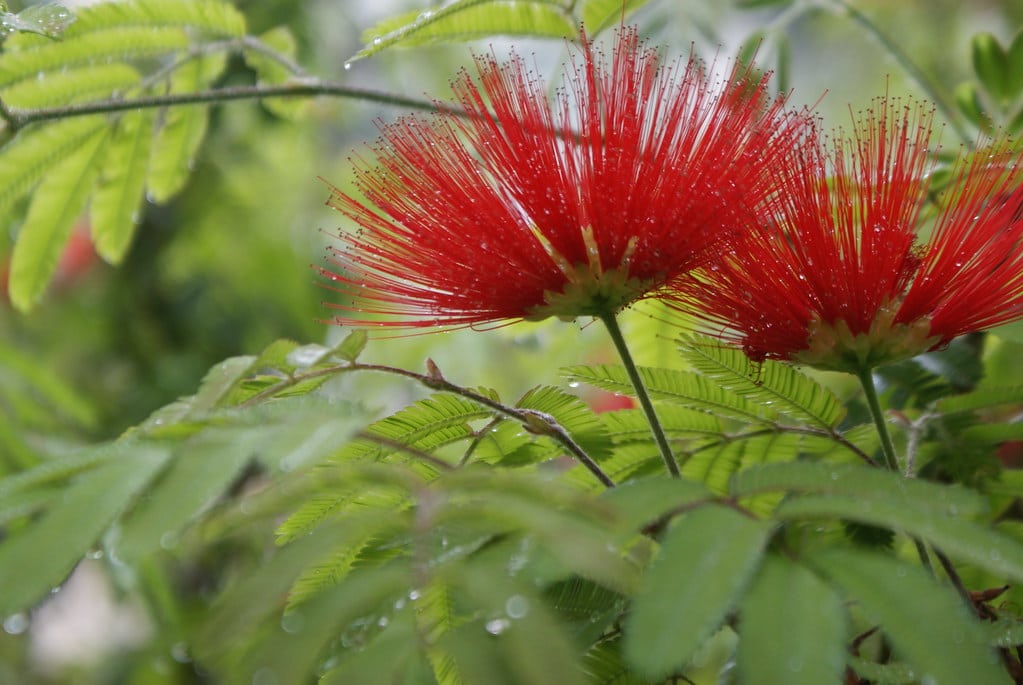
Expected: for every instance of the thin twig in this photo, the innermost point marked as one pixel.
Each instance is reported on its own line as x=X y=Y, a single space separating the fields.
x=18 y=118
x=536 y=422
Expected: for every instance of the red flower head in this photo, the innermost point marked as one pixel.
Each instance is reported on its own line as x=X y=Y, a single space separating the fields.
x=525 y=208
x=840 y=279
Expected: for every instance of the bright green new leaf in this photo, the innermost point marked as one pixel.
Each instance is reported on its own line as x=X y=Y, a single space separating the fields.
x=794 y=628
x=177 y=141
x=927 y=623
x=41 y=554
x=598 y=15
x=705 y=562
x=56 y=205
x=117 y=44
x=116 y=207
x=34 y=151
x=270 y=71
x=467 y=20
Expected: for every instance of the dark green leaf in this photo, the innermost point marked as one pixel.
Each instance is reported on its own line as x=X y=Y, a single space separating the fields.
x=861 y=482
x=958 y=537
x=927 y=623
x=704 y=564
x=794 y=628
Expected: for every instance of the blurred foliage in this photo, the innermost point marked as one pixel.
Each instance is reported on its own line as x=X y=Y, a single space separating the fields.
x=269 y=502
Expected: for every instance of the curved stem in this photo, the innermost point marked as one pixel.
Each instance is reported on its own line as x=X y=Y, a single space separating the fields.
x=933 y=91
x=615 y=331
x=866 y=379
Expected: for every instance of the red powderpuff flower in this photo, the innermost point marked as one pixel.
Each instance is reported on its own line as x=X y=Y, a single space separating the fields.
x=840 y=278
x=523 y=208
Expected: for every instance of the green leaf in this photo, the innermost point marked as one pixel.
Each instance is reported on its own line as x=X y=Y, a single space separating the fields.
x=204 y=467
x=116 y=44
x=41 y=555
x=794 y=628
x=967 y=99
x=861 y=482
x=678 y=387
x=48 y=20
x=991 y=65
x=984 y=398
x=116 y=206
x=1014 y=58
x=598 y=15
x=706 y=560
x=177 y=141
x=56 y=206
x=71 y=85
x=291 y=649
x=641 y=502
x=206 y=17
x=35 y=150
x=467 y=20
x=394 y=655
x=959 y=538
x=927 y=623
x=352 y=346
x=772 y=384
x=271 y=71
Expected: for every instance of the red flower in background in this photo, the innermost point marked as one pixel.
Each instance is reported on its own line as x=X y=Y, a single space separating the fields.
x=841 y=280
x=525 y=208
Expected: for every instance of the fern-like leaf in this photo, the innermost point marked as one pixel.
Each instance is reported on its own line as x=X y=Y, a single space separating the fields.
x=678 y=387
x=771 y=384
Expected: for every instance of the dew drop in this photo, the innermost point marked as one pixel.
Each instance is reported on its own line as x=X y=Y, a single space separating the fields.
x=383 y=621
x=414 y=595
x=16 y=624
x=517 y=606
x=292 y=622
x=348 y=66
x=497 y=626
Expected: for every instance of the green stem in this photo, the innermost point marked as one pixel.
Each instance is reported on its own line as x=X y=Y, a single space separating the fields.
x=644 y=398
x=888 y=447
x=870 y=392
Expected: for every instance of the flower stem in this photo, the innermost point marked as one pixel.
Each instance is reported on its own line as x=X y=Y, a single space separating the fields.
x=888 y=447
x=870 y=392
x=618 y=339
